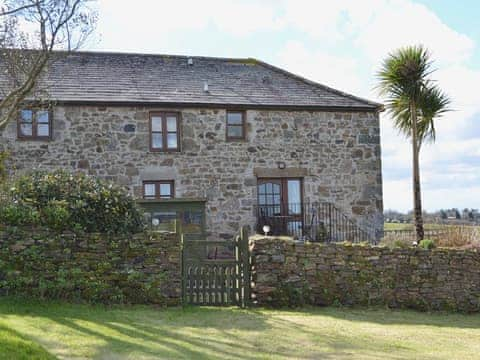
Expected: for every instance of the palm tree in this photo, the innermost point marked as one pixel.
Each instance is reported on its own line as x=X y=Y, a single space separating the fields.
x=413 y=101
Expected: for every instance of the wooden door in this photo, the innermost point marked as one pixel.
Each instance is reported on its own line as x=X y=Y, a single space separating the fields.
x=280 y=205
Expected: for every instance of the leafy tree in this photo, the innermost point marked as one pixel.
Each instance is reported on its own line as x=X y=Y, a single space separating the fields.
x=30 y=31
x=457 y=213
x=414 y=102
x=443 y=214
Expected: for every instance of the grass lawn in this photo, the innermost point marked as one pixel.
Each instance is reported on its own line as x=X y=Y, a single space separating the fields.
x=44 y=331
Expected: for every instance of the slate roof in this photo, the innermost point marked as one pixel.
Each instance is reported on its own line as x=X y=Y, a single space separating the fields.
x=96 y=77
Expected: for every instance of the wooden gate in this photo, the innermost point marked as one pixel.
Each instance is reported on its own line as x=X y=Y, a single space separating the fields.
x=216 y=272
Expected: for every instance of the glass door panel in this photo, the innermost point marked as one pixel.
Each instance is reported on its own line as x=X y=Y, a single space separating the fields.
x=280 y=205
x=294 y=197
x=269 y=198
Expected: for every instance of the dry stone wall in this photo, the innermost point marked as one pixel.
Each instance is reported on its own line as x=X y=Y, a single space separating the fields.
x=338 y=153
x=439 y=279
x=142 y=268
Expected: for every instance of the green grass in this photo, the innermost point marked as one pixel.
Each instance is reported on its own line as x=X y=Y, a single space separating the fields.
x=84 y=332
x=15 y=346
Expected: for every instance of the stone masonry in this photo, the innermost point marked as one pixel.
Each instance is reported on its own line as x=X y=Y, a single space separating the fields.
x=438 y=279
x=338 y=154
x=35 y=255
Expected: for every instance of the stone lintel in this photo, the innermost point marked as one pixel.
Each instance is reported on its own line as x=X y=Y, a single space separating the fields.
x=280 y=173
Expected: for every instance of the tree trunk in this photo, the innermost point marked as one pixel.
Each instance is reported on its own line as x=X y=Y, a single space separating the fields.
x=417 y=196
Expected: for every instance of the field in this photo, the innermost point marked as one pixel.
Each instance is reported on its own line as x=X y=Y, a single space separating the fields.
x=397 y=226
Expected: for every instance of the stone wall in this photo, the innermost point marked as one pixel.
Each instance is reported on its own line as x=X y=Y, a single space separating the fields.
x=143 y=268
x=364 y=275
x=338 y=154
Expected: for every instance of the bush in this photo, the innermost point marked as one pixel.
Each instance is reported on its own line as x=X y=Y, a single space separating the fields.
x=65 y=201
x=427 y=244
x=19 y=215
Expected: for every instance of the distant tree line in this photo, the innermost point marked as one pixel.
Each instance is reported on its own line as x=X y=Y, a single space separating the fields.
x=442 y=215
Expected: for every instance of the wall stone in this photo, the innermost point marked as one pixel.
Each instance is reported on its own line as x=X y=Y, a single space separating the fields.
x=438 y=279
x=338 y=152
x=130 y=265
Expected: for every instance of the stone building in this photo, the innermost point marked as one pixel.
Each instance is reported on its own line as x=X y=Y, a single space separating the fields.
x=234 y=135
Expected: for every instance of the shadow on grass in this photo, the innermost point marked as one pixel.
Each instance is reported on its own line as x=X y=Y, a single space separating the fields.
x=386 y=316
x=192 y=332
x=215 y=333
x=13 y=345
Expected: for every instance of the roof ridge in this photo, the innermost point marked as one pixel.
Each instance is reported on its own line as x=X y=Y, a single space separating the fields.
x=90 y=52
x=379 y=106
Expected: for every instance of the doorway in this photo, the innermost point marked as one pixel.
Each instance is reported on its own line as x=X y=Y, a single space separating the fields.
x=280 y=205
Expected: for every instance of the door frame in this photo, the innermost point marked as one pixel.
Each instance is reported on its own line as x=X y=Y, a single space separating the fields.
x=284 y=205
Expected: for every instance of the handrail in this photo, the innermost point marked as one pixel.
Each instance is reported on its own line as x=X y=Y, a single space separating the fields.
x=319 y=221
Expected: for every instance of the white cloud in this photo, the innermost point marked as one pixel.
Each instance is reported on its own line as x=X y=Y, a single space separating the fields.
x=146 y=23
x=396 y=23
x=336 y=71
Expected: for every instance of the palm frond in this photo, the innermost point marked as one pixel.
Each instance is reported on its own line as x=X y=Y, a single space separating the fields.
x=403 y=81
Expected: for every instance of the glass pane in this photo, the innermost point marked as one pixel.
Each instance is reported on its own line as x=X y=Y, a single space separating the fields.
x=171 y=123
x=26 y=116
x=164 y=221
x=156 y=123
x=149 y=190
x=235 y=131
x=42 y=116
x=262 y=200
x=269 y=187
x=234 y=118
x=264 y=210
x=26 y=129
x=157 y=141
x=43 y=130
x=294 y=197
x=261 y=189
x=192 y=222
x=165 y=190
x=276 y=188
x=172 y=141
x=270 y=199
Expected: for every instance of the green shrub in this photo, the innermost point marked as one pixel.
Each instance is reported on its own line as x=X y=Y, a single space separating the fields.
x=56 y=215
x=427 y=244
x=63 y=200
x=19 y=214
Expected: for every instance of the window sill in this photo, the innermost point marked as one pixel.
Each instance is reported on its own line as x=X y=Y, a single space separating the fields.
x=165 y=151
x=36 y=139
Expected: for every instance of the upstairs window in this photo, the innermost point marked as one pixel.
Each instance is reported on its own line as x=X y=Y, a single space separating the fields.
x=158 y=189
x=164 y=132
x=35 y=124
x=235 y=125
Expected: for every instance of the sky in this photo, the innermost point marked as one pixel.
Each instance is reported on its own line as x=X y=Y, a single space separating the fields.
x=340 y=44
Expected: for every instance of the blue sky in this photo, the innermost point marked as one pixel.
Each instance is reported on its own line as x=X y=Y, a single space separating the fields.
x=341 y=44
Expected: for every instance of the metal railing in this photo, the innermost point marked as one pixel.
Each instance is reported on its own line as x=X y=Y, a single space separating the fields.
x=316 y=222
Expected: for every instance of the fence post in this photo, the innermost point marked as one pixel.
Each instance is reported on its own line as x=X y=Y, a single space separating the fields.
x=246 y=265
x=181 y=237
